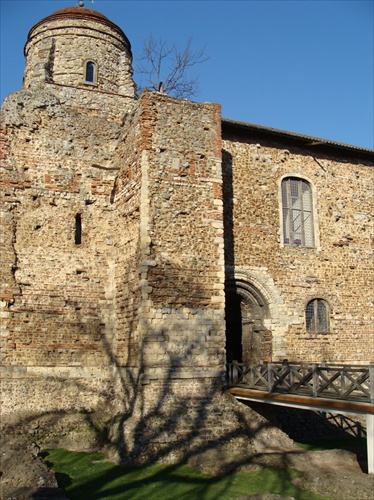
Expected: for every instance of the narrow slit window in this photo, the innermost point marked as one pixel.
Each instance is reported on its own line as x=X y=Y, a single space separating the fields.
x=78 y=229
x=90 y=72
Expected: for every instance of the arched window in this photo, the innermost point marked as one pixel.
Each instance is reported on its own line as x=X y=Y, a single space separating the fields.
x=91 y=76
x=297 y=212
x=317 y=316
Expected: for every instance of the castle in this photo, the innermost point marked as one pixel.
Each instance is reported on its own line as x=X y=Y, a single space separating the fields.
x=146 y=241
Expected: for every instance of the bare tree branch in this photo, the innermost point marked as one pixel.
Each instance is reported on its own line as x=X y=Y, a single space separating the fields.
x=165 y=67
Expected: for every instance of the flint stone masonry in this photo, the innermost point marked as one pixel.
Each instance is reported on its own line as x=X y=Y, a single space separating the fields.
x=59 y=46
x=338 y=269
x=178 y=256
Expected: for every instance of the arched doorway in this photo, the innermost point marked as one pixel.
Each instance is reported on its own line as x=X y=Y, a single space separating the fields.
x=247 y=339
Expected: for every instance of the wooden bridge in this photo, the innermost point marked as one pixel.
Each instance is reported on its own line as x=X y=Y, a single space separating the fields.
x=325 y=387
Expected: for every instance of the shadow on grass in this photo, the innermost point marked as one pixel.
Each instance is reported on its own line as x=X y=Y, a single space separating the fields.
x=92 y=476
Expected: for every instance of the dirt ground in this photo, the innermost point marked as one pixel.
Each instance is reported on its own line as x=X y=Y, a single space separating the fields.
x=25 y=476
x=334 y=473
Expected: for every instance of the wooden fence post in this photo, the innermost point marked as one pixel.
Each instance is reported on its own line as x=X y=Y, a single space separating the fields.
x=342 y=382
x=315 y=379
x=371 y=382
x=251 y=376
x=270 y=376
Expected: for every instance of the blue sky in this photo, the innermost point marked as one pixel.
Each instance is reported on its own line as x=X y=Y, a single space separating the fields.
x=302 y=66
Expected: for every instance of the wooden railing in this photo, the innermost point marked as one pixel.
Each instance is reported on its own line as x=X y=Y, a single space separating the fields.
x=350 y=383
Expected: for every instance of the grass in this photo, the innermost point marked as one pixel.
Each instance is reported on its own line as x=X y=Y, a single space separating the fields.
x=89 y=475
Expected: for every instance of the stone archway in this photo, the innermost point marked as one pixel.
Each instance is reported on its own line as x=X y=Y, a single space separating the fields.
x=247 y=339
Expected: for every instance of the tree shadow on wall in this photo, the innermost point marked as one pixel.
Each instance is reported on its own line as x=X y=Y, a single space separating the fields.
x=144 y=420
x=169 y=413
x=172 y=411
x=207 y=430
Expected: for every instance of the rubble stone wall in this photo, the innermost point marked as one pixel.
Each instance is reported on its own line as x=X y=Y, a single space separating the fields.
x=123 y=218
x=182 y=278
x=127 y=198
x=58 y=50
x=58 y=308
x=338 y=269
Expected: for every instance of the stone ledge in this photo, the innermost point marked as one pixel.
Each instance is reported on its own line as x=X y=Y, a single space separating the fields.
x=19 y=372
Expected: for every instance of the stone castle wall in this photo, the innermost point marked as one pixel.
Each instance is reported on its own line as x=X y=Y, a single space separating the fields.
x=121 y=221
x=129 y=322
x=139 y=290
x=145 y=287
x=127 y=199
x=338 y=269
x=59 y=306
x=182 y=280
x=58 y=49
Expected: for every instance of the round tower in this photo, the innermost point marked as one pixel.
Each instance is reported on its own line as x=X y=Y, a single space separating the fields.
x=81 y=48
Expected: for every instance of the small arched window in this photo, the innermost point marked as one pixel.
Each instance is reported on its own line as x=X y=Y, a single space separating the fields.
x=317 y=316
x=91 y=76
x=297 y=212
